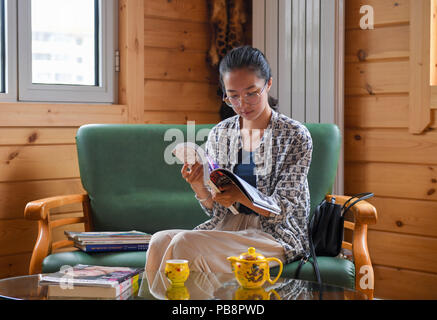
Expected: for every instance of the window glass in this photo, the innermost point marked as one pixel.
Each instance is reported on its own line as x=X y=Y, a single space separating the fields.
x=65 y=37
x=2 y=47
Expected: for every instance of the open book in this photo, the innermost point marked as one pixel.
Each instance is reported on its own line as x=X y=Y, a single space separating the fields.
x=216 y=177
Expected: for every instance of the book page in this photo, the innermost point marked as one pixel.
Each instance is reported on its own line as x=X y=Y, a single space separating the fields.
x=254 y=195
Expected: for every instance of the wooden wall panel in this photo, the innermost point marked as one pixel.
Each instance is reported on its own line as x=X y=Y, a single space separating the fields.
x=176 y=34
x=403 y=251
x=394 y=283
x=37 y=136
x=131 y=44
x=383 y=157
x=187 y=10
x=15 y=195
x=180 y=85
x=376 y=111
x=17 y=236
x=390 y=145
x=387 y=12
x=178 y=117
x=13 y=265
x=377 y=78
x=170 y=64
x=406 y=216
x=20 y=163
x=181 y=96
x=59 y=115
x=397 y=180
x=377 y=44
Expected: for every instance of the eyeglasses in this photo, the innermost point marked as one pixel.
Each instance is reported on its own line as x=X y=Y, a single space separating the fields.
x=250 y=98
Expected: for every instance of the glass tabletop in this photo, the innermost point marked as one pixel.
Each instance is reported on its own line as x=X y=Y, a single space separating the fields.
x=199 y=286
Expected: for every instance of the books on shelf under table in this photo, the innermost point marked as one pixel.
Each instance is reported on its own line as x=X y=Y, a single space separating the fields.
x=191 y=153
x=109 y=241
x=86 y=281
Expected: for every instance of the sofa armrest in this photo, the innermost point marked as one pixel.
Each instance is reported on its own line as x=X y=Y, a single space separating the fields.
x=364 y=212
x=39 y=210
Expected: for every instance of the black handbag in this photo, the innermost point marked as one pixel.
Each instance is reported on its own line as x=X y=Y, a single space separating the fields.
x=325 y=231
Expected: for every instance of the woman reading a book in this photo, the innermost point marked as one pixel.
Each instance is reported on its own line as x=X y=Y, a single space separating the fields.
x=267 y=149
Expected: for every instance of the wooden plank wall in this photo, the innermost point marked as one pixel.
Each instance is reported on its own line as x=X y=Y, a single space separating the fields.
x=38 y=159
x=179 y=83
x=37 y=141
x=383 y=157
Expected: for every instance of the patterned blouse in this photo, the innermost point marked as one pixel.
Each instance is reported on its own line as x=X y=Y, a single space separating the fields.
x=282 y=162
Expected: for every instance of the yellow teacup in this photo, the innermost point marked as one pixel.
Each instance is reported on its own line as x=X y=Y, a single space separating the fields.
x=177 y=293
x=177 y=271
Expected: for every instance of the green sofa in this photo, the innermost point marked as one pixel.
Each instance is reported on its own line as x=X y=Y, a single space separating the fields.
x=130 y=187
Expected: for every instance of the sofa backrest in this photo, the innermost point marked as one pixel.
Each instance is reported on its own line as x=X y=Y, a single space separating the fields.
x=132 y=187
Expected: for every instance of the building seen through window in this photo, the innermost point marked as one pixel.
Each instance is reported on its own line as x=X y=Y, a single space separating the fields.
x=64 y=42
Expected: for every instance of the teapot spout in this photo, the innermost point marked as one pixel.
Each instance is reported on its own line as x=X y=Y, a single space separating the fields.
x=232 y=259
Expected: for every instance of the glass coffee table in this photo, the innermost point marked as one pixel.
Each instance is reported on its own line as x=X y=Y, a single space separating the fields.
x=199 y=286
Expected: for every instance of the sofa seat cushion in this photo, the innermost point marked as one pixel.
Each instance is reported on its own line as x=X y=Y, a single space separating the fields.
x=334 y=271
x=54 y=262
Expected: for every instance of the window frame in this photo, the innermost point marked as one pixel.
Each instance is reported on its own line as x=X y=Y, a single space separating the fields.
x=10 y=93
x=29 y=92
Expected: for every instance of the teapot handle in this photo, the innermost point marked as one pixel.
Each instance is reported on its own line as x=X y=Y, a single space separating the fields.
x=278 y=297
x=280 y=270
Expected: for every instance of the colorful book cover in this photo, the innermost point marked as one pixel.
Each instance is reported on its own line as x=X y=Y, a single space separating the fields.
x=112 y=247
x=87 y=275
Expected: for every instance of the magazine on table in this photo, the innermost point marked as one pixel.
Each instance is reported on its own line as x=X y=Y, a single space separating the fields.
x=91 y=281
x=88 y=275
x=189 y=152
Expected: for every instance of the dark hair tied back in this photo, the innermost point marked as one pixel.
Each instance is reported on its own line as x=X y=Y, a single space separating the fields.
x=250 y=58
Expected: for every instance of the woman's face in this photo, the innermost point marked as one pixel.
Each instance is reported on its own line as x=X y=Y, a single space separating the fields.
x=243 y=82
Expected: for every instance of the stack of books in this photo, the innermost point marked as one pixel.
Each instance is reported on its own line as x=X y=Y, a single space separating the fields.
x=109 y=241
x=85 y=281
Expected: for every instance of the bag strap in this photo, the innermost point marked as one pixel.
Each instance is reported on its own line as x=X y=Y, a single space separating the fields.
x=314 y=263
x=360 y=196
x=316 y=269
x=302 y=261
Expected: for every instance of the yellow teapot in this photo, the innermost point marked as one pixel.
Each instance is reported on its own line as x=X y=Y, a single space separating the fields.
x=255 y=294
x=252 y=269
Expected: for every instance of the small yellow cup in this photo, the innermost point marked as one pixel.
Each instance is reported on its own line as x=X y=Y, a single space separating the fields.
x=177 y=271
x=177 y=293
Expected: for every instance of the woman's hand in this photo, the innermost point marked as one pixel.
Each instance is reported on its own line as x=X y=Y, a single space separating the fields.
x=228 y=196
x=193 y=174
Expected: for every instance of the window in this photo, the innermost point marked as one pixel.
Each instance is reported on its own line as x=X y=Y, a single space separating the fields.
x=2 y=47
x=66 y=50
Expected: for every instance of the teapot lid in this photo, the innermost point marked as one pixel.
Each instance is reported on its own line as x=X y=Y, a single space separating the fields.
x=251 y=255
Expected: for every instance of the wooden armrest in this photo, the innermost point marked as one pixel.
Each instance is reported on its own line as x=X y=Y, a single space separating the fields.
x=38 y=209
x=364 y=212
